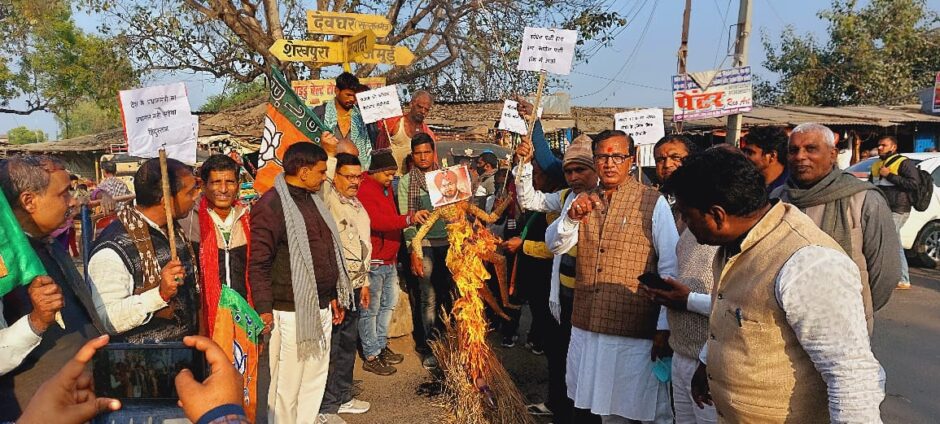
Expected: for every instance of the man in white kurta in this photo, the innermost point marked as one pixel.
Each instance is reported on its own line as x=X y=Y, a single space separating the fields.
x=621 y=231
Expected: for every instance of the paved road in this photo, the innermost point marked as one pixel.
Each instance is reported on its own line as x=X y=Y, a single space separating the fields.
x=907 y=342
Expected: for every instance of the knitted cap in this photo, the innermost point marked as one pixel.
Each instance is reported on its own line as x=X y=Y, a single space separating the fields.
x=579 y=151
x=382 y=160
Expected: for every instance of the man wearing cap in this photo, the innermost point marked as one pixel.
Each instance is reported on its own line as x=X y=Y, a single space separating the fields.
x=580 y=174
x=386 y=225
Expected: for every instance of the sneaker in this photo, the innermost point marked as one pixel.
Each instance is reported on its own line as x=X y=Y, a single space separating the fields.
x=429 y=362
x=391 y=357
x=536 y=350
x=354 y=406
x=330 y=419
x=378 y=366
x=509 y=341
x=904 y=285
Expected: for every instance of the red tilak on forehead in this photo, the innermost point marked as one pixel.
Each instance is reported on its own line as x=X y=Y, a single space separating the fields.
x=609 y=149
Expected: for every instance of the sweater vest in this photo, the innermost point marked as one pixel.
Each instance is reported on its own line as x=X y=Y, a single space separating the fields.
x=758 y=371
x=615 y=246
x=689 y=330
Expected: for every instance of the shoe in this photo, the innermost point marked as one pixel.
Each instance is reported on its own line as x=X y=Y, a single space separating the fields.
x=904 y=285
x=536 y=350
x=423 y=349
x=330 y=419
x=378 y=366
x=391 y=357
x=509 y=341
x=354 y=406
x=430 y=362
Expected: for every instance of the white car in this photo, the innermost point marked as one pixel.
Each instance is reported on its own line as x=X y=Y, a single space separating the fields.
x=920 y=235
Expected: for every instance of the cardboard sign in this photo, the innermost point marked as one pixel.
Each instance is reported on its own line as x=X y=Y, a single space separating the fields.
x=728 y=93
x=159 y=117
x=547 y=49
x=510 y=120
x=379 y=104
x=315 y=92
x=449 y=185
x=645 y=125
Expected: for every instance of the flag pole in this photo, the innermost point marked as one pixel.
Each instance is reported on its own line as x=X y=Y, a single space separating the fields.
x=167 y=200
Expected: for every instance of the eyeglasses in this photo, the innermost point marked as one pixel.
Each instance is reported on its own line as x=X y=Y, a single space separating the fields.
x=674 y=158
x=615 y=159
x=351 y=178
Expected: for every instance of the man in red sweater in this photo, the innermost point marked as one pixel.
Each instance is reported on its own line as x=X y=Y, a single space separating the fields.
x=378 y=198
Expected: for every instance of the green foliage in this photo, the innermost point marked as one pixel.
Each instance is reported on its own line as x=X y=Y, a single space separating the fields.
x=49 y=63
x=235 y=94
x=23 y=135
x=882 y=53
x=86 y=117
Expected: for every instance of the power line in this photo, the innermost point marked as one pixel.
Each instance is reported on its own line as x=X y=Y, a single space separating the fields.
x=621 y=81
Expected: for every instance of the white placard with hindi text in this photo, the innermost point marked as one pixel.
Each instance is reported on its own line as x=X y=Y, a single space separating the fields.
x=510 y=120
x=379 y=103
x=159 y=117
x=547 y=49
x=644 y=125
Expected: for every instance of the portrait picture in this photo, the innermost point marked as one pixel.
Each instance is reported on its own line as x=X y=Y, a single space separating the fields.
x=448 y=185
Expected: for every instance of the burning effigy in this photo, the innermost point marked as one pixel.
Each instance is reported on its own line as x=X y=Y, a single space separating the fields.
x=482 y=390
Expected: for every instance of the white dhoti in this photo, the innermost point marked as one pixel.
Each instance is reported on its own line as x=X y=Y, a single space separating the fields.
x=613 y=376
x=296 y=386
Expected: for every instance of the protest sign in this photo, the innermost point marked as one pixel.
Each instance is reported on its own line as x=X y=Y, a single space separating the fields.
x=379 y=103
x=547 y=49
x=728 y=93
x=511 y=121
x=644 y=125
x=315 y=92
x=159 y=117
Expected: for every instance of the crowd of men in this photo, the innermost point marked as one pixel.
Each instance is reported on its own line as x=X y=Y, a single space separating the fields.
x=741 y=287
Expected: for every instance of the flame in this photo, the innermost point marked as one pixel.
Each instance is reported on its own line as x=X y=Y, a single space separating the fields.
x=470 y=244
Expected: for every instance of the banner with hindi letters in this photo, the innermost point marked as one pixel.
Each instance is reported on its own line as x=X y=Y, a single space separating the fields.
x=159 y=117
x=379 y=103
x=728 y=93
x=644 y=125
x=316 y=92
x=547 y=49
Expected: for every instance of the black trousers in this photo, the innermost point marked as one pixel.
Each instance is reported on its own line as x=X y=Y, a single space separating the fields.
x=343 y=343
x=533 y=285
x=556 y=351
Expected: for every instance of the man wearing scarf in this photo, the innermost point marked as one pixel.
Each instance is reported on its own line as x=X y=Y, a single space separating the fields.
x=435 y=283
x=343 y=118
x=852 y=211
x=299 y=284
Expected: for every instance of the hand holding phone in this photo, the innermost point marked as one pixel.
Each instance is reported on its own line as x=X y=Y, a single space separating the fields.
x=223 y=386
x=653 y=280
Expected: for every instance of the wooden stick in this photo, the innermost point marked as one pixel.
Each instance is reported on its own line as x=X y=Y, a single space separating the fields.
x=167 y=204
x=538 y=102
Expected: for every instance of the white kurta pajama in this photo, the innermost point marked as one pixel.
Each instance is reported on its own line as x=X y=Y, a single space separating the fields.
x=612 y=375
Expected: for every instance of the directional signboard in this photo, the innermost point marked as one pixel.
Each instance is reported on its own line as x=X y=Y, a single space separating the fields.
x=381 y=53
x=308 y=51
x=359 y=45
x=348 y=24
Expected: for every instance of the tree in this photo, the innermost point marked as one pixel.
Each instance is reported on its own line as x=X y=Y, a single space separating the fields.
x=47 y=63
x=882 y=53
x=23 y=135
x=235 y=94
x=86 y=117
x=475 y=41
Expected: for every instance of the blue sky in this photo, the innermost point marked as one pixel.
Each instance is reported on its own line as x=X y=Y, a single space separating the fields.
x=635 y=70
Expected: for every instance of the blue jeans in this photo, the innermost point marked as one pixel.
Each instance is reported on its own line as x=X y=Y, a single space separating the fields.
x=899 y=220
x=436 y=289
x=383 y=296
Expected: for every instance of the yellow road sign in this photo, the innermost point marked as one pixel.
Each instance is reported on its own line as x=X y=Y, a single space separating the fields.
x=338 y=23
x=359 y=45
x=389 y=55
x=308 y=51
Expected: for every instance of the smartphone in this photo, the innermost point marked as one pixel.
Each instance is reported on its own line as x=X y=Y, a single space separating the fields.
x=652 y=279
x=144 y=371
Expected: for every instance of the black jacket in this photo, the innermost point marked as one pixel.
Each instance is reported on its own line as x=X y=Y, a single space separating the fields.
x=905 y=182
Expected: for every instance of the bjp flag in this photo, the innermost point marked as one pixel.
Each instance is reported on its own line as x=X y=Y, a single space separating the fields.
x=288 y=120
x=237 y=330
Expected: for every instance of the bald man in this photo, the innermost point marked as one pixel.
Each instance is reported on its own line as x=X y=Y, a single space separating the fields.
x=403 y=128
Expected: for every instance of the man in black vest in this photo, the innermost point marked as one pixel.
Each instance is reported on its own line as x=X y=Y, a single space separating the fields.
x=37 y=188
x=140 y=294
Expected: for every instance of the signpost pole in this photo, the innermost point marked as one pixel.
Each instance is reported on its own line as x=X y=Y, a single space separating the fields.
x=740 y=59
x=167 y=204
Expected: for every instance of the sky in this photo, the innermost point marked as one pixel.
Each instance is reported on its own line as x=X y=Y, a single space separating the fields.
x=634 y=71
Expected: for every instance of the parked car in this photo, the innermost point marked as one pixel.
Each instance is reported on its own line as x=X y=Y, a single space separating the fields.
x=920 y=235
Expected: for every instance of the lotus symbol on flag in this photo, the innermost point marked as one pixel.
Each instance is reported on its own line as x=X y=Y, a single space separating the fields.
x=270 y=141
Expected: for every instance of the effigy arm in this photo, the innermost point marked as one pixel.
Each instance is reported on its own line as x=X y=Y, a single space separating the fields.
x=490 y=218
x=422 y=232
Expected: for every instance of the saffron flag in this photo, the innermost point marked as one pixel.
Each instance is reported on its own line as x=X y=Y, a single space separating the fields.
x=237 y=330
x=288 y=120
x=18 y=262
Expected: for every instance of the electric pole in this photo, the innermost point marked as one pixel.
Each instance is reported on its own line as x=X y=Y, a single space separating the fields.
x=684 y=47
x=740 y=59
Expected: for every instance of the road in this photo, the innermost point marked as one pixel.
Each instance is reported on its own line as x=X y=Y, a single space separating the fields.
x=906 y=342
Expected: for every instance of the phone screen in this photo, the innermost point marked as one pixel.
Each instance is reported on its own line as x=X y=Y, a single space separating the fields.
x=653 y=280
x=144 y=371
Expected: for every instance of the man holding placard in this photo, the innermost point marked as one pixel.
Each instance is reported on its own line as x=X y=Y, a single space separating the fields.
x=396 y=133
x=342 y=116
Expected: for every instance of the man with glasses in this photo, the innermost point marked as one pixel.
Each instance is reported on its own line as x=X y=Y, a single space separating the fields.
x=622 y=230
x=352 y=223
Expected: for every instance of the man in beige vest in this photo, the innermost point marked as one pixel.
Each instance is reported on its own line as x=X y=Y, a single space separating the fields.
x=623 y=230
x=853 y=212
x=782 y=346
